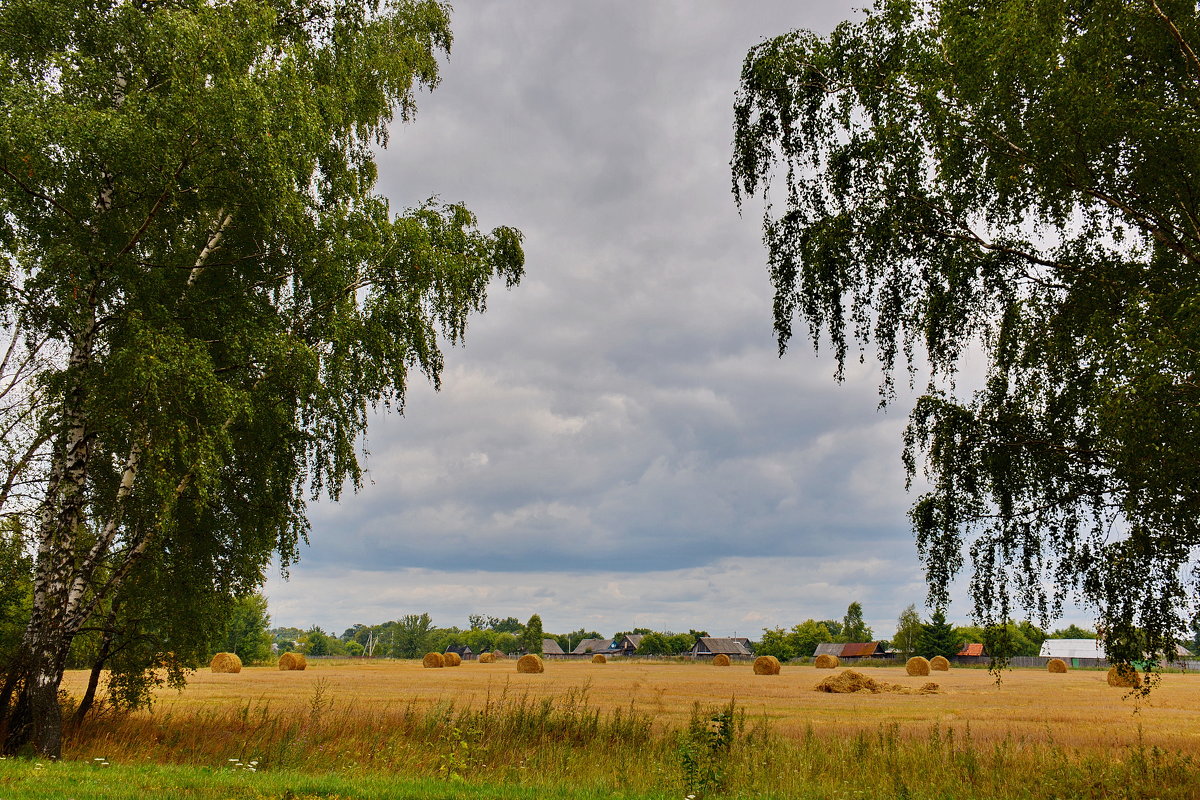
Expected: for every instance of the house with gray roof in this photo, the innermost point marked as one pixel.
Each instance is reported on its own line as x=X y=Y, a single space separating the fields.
x=707 y=646
x=589 y=646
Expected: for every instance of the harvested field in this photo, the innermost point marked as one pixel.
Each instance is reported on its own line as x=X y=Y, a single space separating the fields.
x=1077 y=709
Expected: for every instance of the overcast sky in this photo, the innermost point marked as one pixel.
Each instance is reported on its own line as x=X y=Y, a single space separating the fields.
x=618 y=444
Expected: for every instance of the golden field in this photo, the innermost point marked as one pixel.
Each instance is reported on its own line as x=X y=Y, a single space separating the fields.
x=1076 y=710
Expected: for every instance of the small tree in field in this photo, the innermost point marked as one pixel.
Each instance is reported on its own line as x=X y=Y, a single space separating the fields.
x=531 y=637
x=909 y=631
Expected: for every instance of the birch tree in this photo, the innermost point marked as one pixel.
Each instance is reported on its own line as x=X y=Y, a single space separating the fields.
x=1018 y=182
x=205 y=295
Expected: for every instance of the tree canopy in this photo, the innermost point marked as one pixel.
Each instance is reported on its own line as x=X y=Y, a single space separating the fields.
x=854 y=629
x=908 y=632
x=937 y=637
x=203 y=296
x=1015 y=183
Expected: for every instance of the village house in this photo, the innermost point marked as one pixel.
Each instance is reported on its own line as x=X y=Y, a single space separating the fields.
x=851 y=650
x=464 y=651
x=589 y=646
x=708 y=646
x=629 y=643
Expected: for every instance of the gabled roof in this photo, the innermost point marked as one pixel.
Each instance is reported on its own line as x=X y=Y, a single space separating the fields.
x=461 y=649
x=634 y=639
x=849 y=649
x=973 y=649
x=716 y=645
x=550 y=647
x=1072 y=648
x=592 y=646
x=860 y=649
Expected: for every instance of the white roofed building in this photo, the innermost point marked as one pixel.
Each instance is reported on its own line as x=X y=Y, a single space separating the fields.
x=1072 y=648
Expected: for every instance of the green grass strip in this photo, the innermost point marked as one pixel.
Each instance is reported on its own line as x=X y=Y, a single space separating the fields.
x=22 y=779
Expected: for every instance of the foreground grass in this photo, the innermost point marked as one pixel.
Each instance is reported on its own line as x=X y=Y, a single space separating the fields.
x=31 y=780
x=706 y=760
x=521 y=745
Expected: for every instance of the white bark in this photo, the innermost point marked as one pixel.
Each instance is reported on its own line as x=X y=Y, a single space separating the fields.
x=214 y=241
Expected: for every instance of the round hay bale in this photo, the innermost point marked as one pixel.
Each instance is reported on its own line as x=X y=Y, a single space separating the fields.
x=599 y=659
x=292 y=661
x=1124 y=676
x=452 y=659
x=1056 y=665
x=766 y=665
x=433 y=661
x=530 y=663
x=498 y=656
x=226 y=662
x=486 y=658
x=940 y=663
x=721 y=660
x=826 y=661
x=917 y=666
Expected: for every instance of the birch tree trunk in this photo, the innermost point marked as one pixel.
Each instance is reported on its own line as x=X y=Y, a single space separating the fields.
x=48 y=635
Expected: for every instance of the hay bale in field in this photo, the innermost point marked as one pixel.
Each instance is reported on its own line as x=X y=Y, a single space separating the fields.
x=292 y=661
x=226 y=662
x=498 y=655
x=847 y=682
x=917 y=666
x=766 y=665
x=940 y=663
x=1056 y=665
x=599 y=659
x=721 y=660
x=530 y=663
x=486 y=658
x=433 y=661
x=826 y=661
x=1124 y=676
x=452 y=659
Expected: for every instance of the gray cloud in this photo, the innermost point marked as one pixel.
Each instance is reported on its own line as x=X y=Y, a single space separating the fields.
x=618 y=443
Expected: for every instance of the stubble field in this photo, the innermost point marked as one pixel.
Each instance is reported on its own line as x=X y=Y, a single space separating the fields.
x=1075 y=710
x=643 y=729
